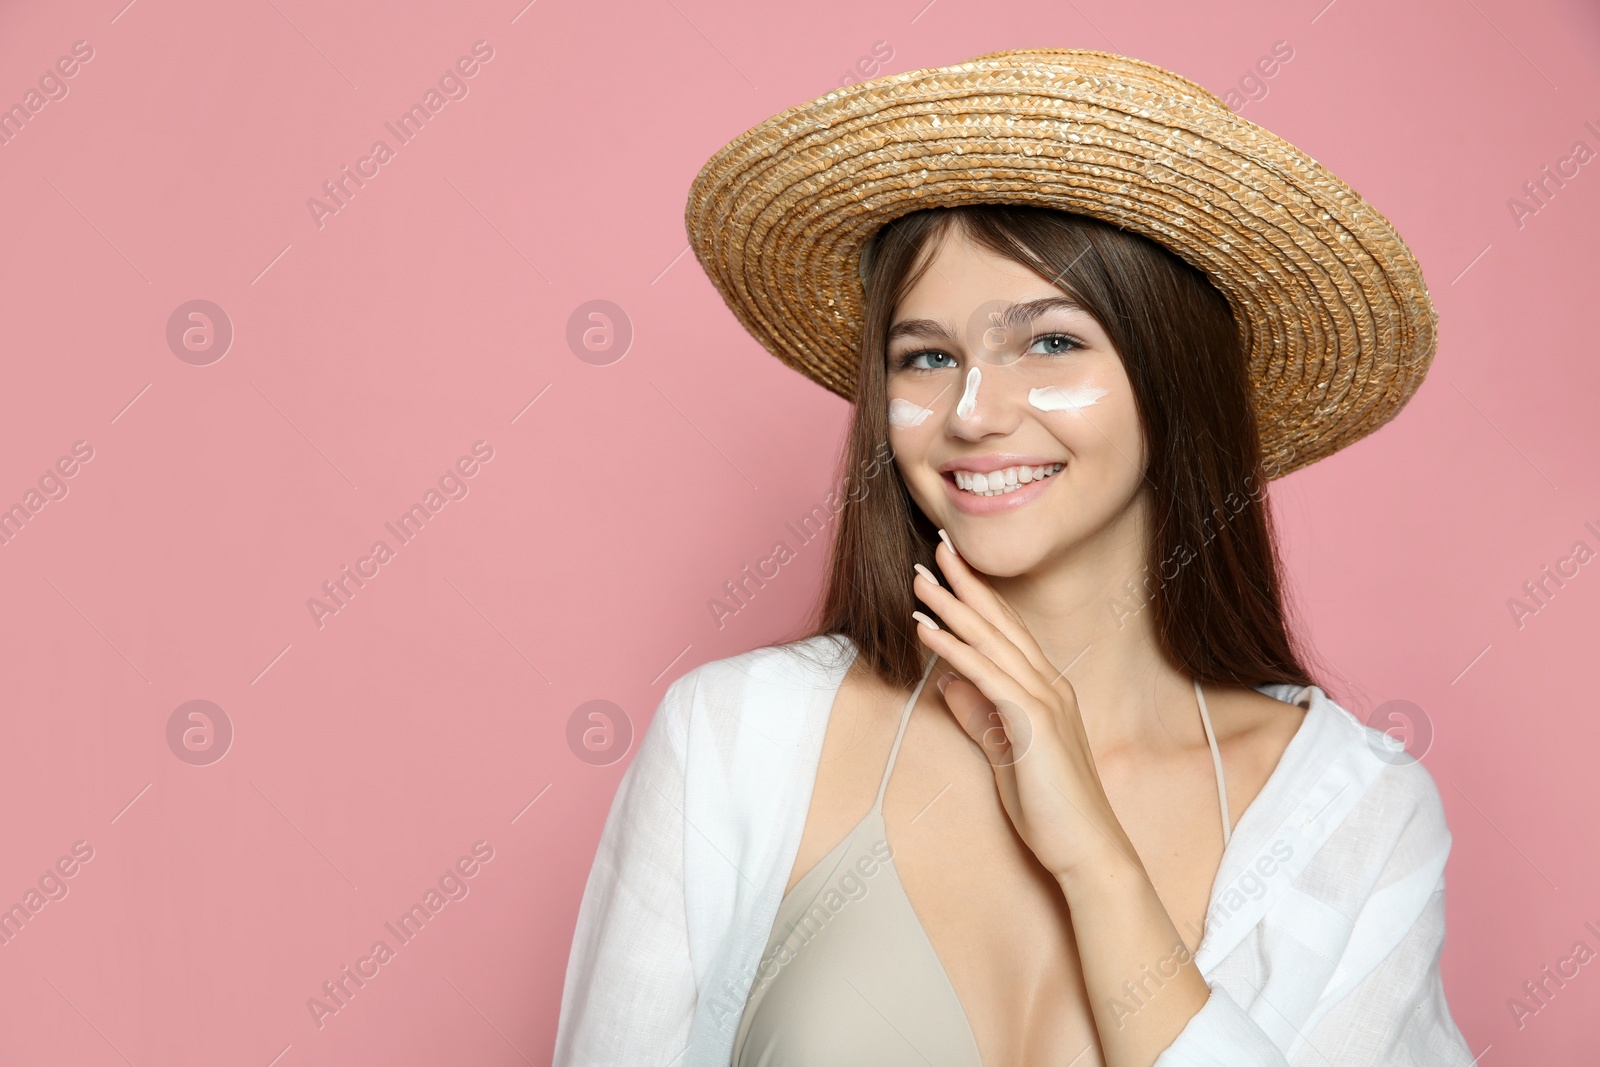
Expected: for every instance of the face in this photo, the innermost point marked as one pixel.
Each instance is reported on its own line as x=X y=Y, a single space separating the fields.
x=1011 y=417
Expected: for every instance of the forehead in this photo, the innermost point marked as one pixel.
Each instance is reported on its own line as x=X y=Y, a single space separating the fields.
x=962 y=274
x=967 y=283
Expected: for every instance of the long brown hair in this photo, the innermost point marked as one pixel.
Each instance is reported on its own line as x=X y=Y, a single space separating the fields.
x=1212 y=574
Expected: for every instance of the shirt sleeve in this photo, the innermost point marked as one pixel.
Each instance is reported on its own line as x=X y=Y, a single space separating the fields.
x=1221 y=1034
x=1383 y=1005
x=630 y=992
x=1395 y=1017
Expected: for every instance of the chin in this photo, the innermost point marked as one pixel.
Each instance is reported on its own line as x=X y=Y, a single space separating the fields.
x=999 y=559
x=1003 y=547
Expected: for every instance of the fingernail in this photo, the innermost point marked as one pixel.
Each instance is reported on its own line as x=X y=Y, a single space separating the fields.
x=947 y=542
x=926 y=573
x=920 y=617
x=944 y=680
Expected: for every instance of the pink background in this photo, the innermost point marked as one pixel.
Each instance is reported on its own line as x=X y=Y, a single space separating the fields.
x=372 y=351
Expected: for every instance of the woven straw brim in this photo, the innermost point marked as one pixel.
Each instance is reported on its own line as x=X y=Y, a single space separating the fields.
x=1336 y=320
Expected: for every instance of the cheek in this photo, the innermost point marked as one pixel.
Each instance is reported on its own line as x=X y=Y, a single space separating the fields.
x=915 y=422
x=1117 y=416
x=910 y=445
x=1097 y=423
x=908 y=415
x=1065 y=397
x=1095 y=393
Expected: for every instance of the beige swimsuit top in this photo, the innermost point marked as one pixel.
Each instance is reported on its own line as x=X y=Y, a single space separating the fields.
x=849 y=976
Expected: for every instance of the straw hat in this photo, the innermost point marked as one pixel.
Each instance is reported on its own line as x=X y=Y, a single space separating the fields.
x=1335 y=316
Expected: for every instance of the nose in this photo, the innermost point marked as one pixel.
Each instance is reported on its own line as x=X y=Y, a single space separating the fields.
x=984 y=407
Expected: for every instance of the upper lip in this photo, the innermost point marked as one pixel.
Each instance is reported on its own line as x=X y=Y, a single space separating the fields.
x=996 y=462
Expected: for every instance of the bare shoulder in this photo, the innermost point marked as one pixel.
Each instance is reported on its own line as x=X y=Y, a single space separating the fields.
x=1253 y=730
x=854 y=745
x=857 y=714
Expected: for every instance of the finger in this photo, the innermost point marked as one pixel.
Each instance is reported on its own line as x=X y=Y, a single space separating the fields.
x=974 y=590
x=972 y=627
x=982 y=721
x=1010 y=697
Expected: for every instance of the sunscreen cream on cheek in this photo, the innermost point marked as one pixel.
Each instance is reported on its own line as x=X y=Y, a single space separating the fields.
x=905 y=414
x=1055 y=398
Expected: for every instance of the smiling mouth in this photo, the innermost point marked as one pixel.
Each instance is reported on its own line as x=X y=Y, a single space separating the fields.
x=999 y=483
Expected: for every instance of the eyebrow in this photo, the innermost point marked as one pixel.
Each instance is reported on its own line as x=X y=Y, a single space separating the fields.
x=1013 y=315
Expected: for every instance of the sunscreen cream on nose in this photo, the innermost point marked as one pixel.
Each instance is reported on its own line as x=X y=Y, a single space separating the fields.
x=969 y=398
x=904 y=413
x=1055 y=398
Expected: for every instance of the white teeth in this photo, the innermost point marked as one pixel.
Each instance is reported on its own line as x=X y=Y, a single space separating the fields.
x=998 y=483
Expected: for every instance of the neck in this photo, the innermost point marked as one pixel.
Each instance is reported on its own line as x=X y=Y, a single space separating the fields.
x=1093 y=614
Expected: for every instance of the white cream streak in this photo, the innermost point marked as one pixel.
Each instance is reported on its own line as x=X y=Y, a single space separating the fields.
x=969 y=397
x=904 y=413
x=1055 y=398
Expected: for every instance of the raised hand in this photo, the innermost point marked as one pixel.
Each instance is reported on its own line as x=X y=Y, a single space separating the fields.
x=1023 y=714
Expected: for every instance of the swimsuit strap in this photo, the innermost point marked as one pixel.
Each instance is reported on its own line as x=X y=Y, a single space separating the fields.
x=905 y=717
x=1216 y=762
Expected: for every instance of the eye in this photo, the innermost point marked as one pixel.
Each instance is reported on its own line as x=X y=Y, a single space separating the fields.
x=1060 y=343
x=905 y=362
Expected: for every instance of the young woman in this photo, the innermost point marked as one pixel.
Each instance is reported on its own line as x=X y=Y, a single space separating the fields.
x=1123 y=827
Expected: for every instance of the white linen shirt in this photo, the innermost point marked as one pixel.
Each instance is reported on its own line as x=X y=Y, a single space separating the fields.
x=1321 y=943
